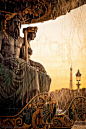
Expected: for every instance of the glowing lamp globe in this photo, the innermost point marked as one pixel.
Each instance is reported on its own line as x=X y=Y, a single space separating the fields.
x=78 y=76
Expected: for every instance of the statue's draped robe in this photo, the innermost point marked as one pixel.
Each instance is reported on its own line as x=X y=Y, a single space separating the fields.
x=18 y=81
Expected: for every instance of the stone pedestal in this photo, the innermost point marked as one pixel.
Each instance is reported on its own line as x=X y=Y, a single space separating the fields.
x=79 y=125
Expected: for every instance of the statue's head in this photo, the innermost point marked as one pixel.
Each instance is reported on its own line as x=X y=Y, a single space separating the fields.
x=13 y=26
x=32 y=33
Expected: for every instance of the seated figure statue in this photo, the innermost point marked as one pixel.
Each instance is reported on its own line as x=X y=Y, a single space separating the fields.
x=19 y=81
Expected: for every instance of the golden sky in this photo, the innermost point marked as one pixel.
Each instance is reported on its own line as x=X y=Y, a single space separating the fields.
x=61 y=43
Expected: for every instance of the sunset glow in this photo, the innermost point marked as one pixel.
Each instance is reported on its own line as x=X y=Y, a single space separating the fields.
x=61 y=43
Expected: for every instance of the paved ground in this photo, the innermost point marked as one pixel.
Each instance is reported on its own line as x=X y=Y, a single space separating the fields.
x=79 y=125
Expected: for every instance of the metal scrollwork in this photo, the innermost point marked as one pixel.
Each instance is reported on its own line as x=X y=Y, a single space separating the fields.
x=35 y=114
x=75 y=111
x=31 y=11
x=19 y=122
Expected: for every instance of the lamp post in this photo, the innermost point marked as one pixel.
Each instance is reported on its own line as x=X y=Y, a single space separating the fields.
x=78 y=79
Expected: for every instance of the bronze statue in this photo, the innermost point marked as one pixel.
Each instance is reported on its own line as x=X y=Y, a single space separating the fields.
x=10 y=40
x=19 y=80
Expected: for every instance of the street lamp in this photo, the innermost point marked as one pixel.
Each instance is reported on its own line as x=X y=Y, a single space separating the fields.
x=78 y=79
